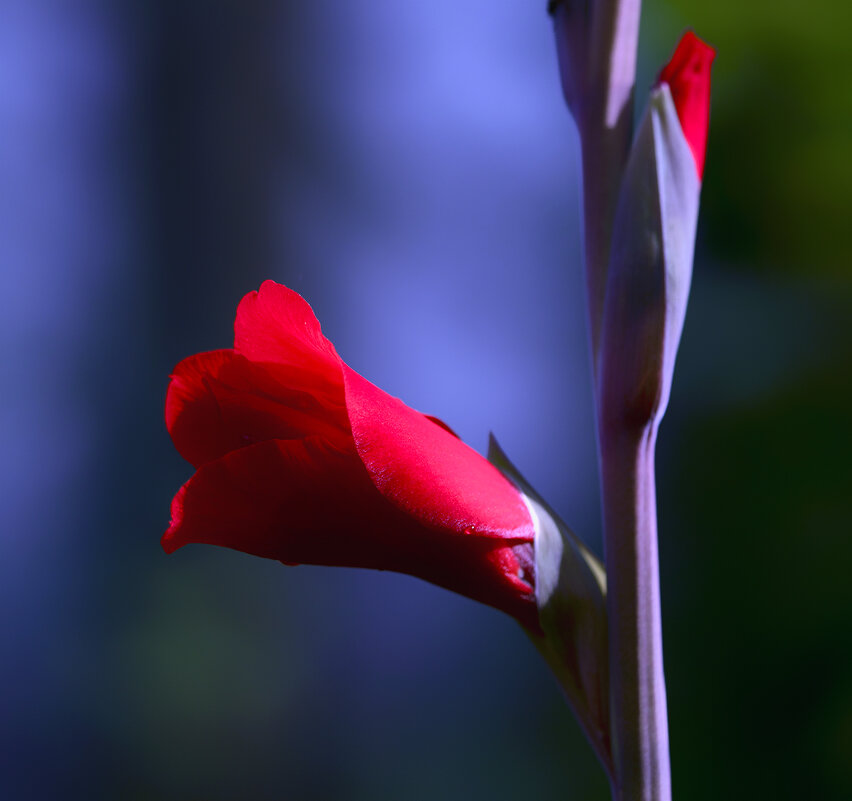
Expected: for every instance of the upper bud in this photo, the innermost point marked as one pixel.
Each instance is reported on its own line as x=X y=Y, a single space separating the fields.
x=653 y=239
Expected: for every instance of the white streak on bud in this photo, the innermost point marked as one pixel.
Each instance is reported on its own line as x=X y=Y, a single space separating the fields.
x=622 y=67
x=570 y=592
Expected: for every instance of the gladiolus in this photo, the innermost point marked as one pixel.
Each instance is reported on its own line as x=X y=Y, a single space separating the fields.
x=300 y=459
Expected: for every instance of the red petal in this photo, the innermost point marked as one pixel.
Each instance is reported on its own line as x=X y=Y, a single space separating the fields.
x=427 y=472
x=295 y=500
x=688 y=77
x=276 y=324
x=192 y=415
x=303 y=501
x=219 y=401
x=439 y=422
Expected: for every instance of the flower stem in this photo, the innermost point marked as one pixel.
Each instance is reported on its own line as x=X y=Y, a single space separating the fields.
x=604 y=116
x=637 y=685
x=604 y=152
x=596 y=44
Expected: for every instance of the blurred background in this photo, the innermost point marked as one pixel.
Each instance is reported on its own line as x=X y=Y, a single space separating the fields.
x=411 y=170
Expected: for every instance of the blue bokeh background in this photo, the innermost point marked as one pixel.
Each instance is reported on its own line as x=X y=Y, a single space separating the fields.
x=411 y=170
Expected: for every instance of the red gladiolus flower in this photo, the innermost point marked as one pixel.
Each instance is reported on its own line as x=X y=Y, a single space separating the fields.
x=688 y=77
x=298 y=458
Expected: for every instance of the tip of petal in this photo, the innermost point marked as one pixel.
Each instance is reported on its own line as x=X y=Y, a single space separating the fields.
x=170 y=541
x=688 y=77
x=167 y=541
x=276 y=324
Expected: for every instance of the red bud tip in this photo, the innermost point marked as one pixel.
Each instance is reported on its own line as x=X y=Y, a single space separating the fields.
x=688 y=77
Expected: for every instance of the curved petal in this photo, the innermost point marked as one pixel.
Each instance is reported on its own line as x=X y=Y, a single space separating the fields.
x=219 y=401
x=303 y=501
x=688 y=77
x=439 y=422
x=292 y=500
x=192 y=414
x=427 y=472
x=276 y=324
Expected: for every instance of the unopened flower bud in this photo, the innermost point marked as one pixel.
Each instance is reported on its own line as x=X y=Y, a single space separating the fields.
x=653 y=240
